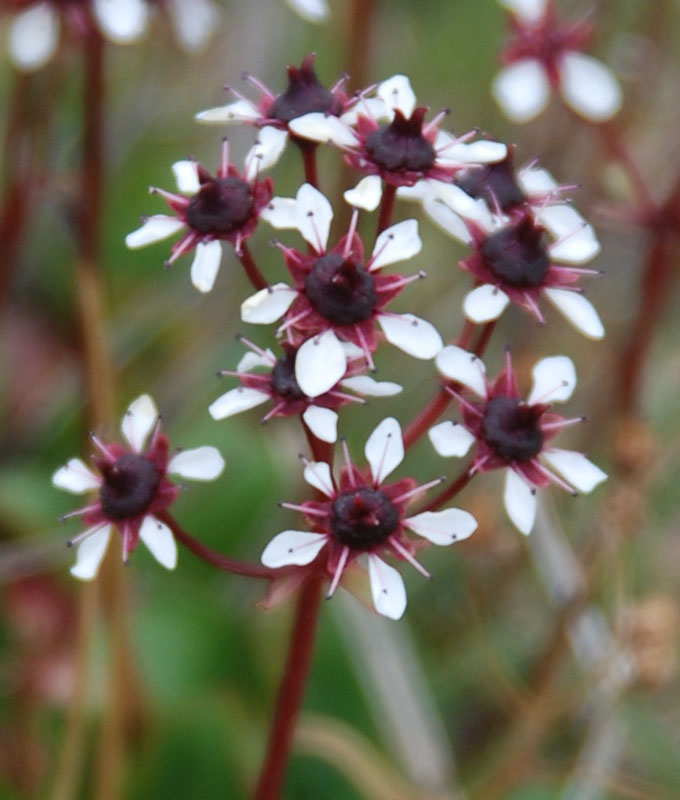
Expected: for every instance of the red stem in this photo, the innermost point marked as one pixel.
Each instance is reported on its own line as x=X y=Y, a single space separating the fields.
x=451 y=491
x=427 y=417
x=484 y=338
x=251 y=268
x=291 y=690
x=308 y=150
x=19 y=171
x=225 y=563
x=655 y=287
x=386 y=207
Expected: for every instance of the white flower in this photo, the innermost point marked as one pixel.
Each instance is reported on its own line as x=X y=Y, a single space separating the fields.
x=361 y=517
x=337 y=297
x=134 y=490
x=545 y=53
x=513 y=434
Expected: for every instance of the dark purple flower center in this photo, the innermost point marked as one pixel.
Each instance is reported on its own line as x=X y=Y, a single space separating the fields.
x=517 y=255
x=303 y=96
x=130 y=485
x=284 y=382
x=341 y=290
x=401 y=146
x=511 y=428
x=363 y=518
x=494 y=183
x=220 y=206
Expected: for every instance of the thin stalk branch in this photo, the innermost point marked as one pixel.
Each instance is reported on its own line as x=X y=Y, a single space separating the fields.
x=210 y=556
x=252 y=270
x=291 y=690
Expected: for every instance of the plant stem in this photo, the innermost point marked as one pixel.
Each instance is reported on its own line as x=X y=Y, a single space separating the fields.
x=386 y=207
x=291 y=690
x=233 y=565
x=427 y=417
x=308 y=150
x=252 y=270
x=450 y=491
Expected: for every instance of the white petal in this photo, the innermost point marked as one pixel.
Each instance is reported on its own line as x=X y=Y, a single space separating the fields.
x=579 y=311
x=353 y=352
x=251 y=360
x=33 y=36
x=384 y=449
x=451 y=439
x=155 y=229
x=313 y=215
x=413 y=335
x=322 y=422
x=464 y=367
x=519 y=499
x=387 y=588
x=466 y=206
x=522 y=90
x=575 y=468
x=319 y=364
x=371 y=107
x=318 y=475
x=199 y=464
x=138 y=421
x=529 y=11
x=396 y=92
x=194 y=21
x=90 y=553
x=419 y=191
x=160 y=541
x=397 y=243
x=366 y=194
x=236 y=400
x=326 y=128
x=266 y=151
x=536 y=181
x=268 y=304
x=554 y=380
x=206 y=264
x=480 y=152
x=280 y=213
x=485 y=303
x=76 y=477
x=589 y=87
x=293 y=547
x=364 y=384
x=315 y=11
x=577 y=242
x=186 y=175
x=443 y=527
x=446 y=219
x=232 y=113
x=122 y=21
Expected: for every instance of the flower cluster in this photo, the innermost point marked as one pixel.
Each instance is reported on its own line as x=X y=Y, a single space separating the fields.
x=331 y=317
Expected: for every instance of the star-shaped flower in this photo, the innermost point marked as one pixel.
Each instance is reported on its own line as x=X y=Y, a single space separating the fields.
x=226 y=207
x=360 y=515
x=513 y=434
x=277 y=385
x=533 y=255
x=275 y=115
x=338 y=297
x=385 y=136
x=133 y=488
x=545 y=53
x=33 y=35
